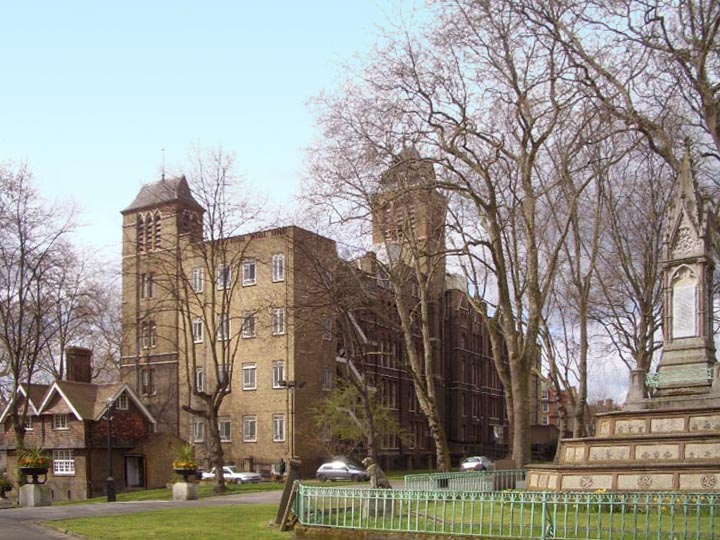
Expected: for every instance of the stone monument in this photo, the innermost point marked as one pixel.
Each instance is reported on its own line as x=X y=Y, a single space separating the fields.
x=667 y=436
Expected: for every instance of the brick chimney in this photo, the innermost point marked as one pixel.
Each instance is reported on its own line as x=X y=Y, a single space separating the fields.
x=78 y=361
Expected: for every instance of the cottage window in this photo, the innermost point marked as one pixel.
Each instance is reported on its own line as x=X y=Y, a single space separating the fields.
x=63 y=462
x=122 y=402
x=60 y=421
x=28 y=423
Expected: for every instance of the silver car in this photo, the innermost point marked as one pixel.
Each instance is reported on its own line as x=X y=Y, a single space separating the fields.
x=231 y=474
x=339 y=470
x=477 y=463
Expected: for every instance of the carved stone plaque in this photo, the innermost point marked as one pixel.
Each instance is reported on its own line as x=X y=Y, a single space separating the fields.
x=657 y=452
x=702 y=451
x=609 y=453
x=684 y=322
x=667 y=425
x=642 y=482
x=699 y=482
x=705 y=423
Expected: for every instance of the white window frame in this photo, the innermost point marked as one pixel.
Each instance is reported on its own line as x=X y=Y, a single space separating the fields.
x=148 y=387
x=249 y=272
x=278 y=321
x=28 y=425
x=63 y=462
x=223 y=327
x=198 y=332
x=279 y=428
x=249 y=376
x=326 y=378
x=249 y=325
x=122 y=403
x=546 y=407
x=278 y=368
x=224 y=276
x=278 y=267
x=200 y=379
x=225 y=429
x=60 y=422
x=198 y=279
x=250 y=429
x=198 y=430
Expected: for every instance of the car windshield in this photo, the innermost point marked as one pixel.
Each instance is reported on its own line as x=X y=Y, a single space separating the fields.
x=231 y=468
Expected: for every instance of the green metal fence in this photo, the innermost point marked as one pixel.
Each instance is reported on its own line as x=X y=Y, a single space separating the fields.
x=526 y=515
x=467 y=481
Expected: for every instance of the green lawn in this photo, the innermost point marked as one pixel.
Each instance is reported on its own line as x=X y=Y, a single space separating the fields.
x=164 y=494
x=217 y=523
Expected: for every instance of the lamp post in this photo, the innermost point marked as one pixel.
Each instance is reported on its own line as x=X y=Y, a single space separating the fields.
x=291 y=386
x=110 y=482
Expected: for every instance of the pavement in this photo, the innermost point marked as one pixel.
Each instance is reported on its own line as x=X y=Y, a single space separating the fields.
x=22 y=523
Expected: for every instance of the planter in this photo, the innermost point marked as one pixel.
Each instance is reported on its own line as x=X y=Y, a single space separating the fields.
x=185 y=473
x=35 y=472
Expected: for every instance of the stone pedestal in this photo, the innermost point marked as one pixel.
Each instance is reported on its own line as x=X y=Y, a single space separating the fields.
x=34 y=495
x=185 y=491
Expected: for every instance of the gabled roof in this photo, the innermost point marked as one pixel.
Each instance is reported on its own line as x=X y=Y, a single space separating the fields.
x=89 y=401
x=34 y=393
x=172 y=190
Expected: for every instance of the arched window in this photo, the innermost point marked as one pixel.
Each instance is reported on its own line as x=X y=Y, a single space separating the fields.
x=141 y=241
x=156 y=230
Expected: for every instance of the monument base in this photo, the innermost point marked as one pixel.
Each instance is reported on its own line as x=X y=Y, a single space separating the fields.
x=185 y=491
x=34 y=495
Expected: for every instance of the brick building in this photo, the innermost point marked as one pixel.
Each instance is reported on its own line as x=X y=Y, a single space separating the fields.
x=275 y=328
x=68 y=419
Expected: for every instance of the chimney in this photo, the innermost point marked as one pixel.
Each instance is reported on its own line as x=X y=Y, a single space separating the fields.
x=78 y=362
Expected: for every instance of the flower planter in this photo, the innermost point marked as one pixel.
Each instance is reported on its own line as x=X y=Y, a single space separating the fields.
x=35 y=472
x=185 y=473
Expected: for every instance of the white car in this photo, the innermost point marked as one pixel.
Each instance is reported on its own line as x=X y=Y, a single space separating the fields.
x=231 y=474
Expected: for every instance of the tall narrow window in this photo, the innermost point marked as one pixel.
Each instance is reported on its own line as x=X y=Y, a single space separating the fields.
x=248 y=329
x=278 y=427
x=224 y=427
x=326 y=379
x=224 y=276
x=278 y=321
x=199 y=430
x=28 y=423
x=152 y=330
x=157 y=231
x=278 y=373
x=278 y=267
x=199 y=379
x=198 y=279
x=148 y=381
x=249 y=428
x=249 y=376
x=197 y=330
x=248 y=277
x=224 y=373
x=326 y=328
x=122 y=403
x=141 y=240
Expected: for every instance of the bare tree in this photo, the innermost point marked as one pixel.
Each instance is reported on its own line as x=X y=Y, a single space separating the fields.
x=30 y=261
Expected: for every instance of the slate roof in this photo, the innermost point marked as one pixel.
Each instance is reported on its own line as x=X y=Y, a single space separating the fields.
x=36 y=393
x=163 y=192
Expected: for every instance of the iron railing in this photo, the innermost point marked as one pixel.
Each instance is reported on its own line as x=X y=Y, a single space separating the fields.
x=467 y=481
x=514 y=515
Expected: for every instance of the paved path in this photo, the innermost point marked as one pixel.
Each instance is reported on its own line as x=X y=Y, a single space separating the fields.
x=20 y=523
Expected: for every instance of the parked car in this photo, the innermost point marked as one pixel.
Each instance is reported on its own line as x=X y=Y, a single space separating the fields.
x=477 y=463
x=339 y=470
x=231 y=474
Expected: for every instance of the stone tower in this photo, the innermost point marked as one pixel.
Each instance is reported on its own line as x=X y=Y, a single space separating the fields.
x=162 y=218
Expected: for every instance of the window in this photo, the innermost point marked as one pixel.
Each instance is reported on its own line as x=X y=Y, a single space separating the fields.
x=545 y=420
x=199 y=379
x=147 y=285
x=122 y=402
x=197 y=330
x=278 y=427
x=198 y=279
x=248 y=277
x=224 y=428
x=278 y=267
x=198 y=430
x=248 y=328
x=223 y=327
x=545 y=394
x=28 y=423
x=60 y=421
x=249 y=428
x=249 y=376
x=63 y=462
x=326 y=328
x=278 y=321
x=326 y=379
x=149 y=334
x=545 y=407
x=148 y=381
x=225 y=376
x=224 y=276
x=278 y=373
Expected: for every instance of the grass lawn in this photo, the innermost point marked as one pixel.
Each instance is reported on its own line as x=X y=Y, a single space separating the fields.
x=165 y=494
x=218 y=523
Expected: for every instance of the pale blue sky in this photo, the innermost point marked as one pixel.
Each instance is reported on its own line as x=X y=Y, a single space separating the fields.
x=92 y=91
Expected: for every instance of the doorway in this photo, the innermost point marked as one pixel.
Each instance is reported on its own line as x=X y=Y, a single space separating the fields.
x=135 y=471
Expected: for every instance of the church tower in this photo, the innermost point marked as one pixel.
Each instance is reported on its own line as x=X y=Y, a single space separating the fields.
x=688 y=357
x=162 y=219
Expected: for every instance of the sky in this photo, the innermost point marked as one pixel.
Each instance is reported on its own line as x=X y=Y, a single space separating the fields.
x=93 y=92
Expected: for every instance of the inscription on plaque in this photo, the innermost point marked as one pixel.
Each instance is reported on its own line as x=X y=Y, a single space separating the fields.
x=683 y=312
